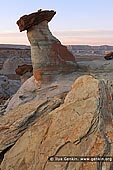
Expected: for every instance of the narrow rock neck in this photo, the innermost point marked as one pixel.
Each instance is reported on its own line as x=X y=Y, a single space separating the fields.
x=40 y=35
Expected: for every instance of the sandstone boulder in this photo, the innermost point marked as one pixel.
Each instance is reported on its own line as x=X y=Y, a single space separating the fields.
x=109 y=56
x=25 y=71
x=22 y=69
x=82 y=126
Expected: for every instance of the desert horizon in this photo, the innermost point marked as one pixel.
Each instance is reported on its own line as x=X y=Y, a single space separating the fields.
x=19 y=44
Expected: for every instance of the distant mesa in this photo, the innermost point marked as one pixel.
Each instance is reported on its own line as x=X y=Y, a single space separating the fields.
x=14 y=46
x=109 y=56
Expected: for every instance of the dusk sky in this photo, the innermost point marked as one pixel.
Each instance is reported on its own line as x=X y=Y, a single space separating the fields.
x=76 y=22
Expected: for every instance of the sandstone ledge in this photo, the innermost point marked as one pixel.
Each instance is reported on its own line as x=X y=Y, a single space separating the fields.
x=82 y=126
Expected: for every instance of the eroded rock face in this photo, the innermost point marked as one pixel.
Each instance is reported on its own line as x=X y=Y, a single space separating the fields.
x=48 y=55
x=82 y=126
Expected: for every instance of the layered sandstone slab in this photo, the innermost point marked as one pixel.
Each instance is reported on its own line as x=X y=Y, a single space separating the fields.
x=82 y=126
x=29 y=91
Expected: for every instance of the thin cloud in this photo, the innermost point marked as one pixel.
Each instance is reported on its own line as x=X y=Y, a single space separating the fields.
x=84 y=33
x=10 y=34
x=13 y=38
x=91 y=37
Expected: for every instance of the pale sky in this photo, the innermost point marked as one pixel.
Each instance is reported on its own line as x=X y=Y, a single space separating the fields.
x=76 y=22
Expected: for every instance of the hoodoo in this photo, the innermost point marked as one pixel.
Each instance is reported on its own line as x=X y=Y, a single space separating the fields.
x=49 y=56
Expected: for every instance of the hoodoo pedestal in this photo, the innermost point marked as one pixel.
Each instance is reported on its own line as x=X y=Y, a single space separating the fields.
x=49 y=56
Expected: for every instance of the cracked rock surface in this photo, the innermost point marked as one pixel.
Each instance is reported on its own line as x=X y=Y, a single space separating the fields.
x=81 y=126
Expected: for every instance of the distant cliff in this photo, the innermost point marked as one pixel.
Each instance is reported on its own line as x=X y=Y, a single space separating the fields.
x=8 y=51
x=88 y=47
x=87 y=52
x=81 y=52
